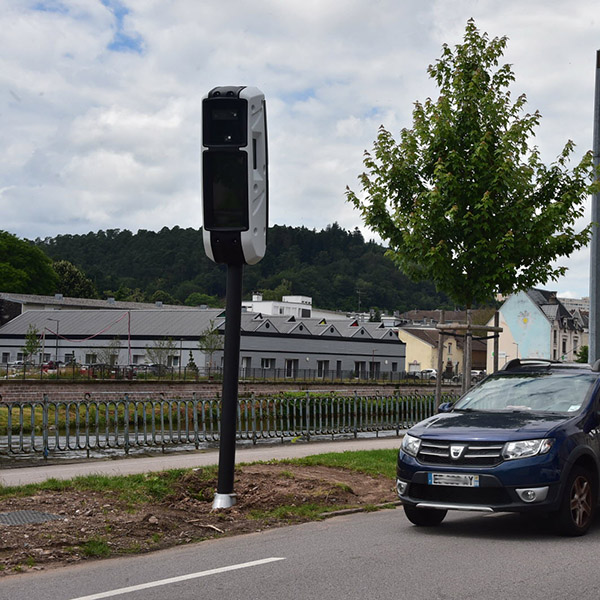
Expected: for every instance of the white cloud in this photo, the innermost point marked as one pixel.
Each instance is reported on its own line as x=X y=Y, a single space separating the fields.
x=95 y=138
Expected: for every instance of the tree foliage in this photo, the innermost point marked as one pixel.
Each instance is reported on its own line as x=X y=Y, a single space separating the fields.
x=24 y=268
x=337 y=268
x=463 y=198
x=32 y=342
x=160 y=351
x=211 y=341
x=72 y=282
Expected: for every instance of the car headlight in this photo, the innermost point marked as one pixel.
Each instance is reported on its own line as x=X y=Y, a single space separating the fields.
x=411 y=444
x=525 y=448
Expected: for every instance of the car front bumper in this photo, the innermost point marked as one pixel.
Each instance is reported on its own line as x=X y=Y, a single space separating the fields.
x=529 y=485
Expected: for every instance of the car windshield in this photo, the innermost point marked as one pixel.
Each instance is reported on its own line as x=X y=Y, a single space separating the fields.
x=535 y=392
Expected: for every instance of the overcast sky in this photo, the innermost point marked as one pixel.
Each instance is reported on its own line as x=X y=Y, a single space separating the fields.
x=101 y=99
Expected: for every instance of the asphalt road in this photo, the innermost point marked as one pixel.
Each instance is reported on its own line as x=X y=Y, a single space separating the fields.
x=366 y=555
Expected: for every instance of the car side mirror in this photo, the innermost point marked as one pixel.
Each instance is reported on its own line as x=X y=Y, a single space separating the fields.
x=445 y=407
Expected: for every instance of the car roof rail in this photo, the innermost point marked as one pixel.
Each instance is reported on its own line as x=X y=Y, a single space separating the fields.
x=515 y=363
x=537 y=363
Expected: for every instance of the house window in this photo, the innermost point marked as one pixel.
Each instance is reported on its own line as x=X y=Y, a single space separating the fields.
x=338 y=368
x=564 y=345
x=555 y=333
x=90 y=359
x=374 y=369
x=137 y=359
x=322 y=368
x=5 y=357
x=360 y=368
x=450 y=348
x=394 y=367
x=291 y=367
x=246 y=365
x=267 y=363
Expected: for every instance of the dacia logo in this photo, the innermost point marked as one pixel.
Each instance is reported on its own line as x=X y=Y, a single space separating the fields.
x=456 y=451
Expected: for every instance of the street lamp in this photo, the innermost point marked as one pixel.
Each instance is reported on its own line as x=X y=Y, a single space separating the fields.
x=56 y=351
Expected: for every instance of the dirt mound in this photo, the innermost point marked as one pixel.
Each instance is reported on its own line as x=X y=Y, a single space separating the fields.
x=95 y=524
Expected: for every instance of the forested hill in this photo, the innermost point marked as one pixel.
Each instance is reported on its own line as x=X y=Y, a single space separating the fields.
x=337 y=268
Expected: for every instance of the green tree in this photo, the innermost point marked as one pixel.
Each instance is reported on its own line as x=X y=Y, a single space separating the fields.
x=210 y=342
x=72 y=281
x=164 y=297
x=191 y=365
x=109 y=354
x=24 y=268
x=283 y=289
x=32 y=342
x=160 y=352
x=463 y=199
x=582 y=355
x=198 y=299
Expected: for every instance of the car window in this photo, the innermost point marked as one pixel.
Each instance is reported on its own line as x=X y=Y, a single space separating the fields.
x=536 y=392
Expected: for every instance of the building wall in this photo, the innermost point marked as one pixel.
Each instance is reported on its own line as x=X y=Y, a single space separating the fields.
x=526 y=331
x=339 y=353
x=419 y=354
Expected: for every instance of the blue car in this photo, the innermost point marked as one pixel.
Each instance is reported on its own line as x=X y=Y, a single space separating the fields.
x=525 y=440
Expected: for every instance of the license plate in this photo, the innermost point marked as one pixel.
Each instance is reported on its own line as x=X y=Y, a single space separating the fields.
x=456 y=479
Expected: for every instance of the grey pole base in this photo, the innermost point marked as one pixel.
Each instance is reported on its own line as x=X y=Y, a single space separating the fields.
x=223 y=500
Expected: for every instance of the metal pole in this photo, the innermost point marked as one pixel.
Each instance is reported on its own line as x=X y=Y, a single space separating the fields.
x=496 y=340
x=225 y=497
x=594 y=341
x=468 y=352
x=440 y=363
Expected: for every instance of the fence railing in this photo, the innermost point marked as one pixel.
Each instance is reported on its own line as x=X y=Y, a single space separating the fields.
x=89 y=425
x=74 y=372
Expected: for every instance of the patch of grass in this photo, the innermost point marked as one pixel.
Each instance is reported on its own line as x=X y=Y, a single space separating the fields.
x=95 y=548
x=287 y=475
x=371 y=462
x=136 y=490
x=344 y=487
x=289 y=512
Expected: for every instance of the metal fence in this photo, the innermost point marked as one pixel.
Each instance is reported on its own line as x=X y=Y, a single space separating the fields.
x=73 y=372
x=46 y=427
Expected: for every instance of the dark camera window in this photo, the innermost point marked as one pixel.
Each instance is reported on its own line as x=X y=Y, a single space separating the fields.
x=225 y=185
x=224 y=122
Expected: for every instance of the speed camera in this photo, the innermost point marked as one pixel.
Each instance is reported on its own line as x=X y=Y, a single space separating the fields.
x=234 y=175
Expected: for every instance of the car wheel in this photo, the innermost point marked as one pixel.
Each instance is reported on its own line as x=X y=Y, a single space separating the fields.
x=578 y=504
x=424 y=517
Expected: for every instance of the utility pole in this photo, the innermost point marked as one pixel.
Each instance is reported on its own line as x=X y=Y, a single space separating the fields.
x=594 y=342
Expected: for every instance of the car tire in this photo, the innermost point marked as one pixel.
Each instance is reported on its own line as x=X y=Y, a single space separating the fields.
x=424 y=517
x=578 y=504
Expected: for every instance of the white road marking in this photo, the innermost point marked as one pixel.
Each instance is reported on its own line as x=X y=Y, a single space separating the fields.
x=151 y=584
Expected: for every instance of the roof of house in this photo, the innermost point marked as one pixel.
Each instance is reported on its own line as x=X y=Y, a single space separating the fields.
x=59 y=301
x=94 y=323
x=176 y=324
x=432 y=337
x=552 y=307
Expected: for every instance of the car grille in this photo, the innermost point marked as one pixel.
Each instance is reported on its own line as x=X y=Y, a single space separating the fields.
x=475 y=454
x=487 y=496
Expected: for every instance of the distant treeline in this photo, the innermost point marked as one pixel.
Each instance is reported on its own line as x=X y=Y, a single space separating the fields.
x=337 y=268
